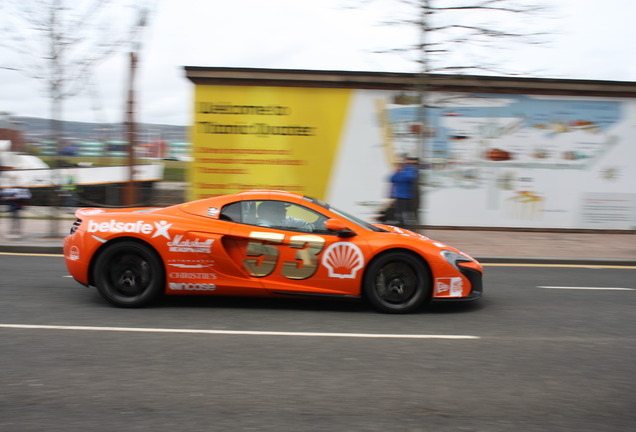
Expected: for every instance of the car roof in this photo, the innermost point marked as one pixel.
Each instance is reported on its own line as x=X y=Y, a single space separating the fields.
x=260 y=194
x=211 y=205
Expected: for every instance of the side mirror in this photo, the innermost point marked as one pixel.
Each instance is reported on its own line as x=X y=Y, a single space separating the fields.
x=337 y=226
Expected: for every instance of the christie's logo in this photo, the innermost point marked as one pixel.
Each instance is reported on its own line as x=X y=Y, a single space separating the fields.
x=183 y=286
x=139 y=227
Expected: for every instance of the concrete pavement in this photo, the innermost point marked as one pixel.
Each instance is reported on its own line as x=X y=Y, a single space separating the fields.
x=485 y=245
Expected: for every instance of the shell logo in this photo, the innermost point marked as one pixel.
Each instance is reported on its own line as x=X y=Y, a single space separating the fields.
x=343 y=260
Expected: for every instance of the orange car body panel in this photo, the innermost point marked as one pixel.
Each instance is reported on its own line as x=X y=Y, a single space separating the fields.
x=205 y=255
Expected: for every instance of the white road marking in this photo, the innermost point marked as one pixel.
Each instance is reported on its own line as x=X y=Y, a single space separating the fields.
x=237 y=332
x=32 y=254
x=587 y=288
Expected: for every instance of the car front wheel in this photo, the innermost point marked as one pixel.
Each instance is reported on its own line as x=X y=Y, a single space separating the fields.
x=397 y=282
x=129 y=274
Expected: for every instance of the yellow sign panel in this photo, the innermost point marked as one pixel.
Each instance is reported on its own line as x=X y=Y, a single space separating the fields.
x=265 y=138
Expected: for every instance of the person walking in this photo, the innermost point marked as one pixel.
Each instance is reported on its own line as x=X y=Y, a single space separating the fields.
x=404 y=190
x=16 y=198
x=68 y=191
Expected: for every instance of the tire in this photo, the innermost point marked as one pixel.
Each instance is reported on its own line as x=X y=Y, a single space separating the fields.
x=397 y=282
x=129 y=274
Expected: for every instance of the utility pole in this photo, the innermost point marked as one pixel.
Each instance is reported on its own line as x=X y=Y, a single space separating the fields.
x=422 y=90
x=130 y=189
x=131 y=196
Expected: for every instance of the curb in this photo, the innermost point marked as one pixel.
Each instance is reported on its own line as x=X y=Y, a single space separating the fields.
x=622 y=262
x=31 y=248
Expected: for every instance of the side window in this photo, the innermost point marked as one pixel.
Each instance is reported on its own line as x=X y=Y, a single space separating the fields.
x=231 y=212
x=282 y=215
x=248 y=212
x=307 y=216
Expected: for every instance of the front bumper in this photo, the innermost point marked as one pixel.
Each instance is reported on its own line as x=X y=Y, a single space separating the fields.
x=475 y=278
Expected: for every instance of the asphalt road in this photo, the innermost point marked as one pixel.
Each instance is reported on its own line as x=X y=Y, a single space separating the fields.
x=528 y=357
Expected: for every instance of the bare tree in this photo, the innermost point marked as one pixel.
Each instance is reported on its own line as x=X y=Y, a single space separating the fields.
x=459 y=36
x=59 y=43
x=463 y=36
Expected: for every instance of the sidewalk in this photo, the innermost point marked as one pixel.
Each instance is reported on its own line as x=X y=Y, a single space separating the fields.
x=486 y=246
x=535 y=247
x=36 y=231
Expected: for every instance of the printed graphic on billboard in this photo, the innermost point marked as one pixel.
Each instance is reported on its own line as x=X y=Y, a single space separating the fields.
x=524 y=161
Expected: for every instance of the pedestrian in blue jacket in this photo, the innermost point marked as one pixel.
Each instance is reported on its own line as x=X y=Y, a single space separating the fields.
x=404 y=190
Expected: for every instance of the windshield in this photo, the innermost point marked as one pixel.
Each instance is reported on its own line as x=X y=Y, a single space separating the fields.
x=345 y=215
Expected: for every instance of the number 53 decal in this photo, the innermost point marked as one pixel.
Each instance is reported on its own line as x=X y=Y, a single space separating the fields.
x=309 y=247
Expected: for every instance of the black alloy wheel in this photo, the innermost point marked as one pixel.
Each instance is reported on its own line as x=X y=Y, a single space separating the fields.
x=129 y=274
x=397 y=282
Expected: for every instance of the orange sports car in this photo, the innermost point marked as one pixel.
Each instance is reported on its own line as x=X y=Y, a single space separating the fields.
x=262 y=243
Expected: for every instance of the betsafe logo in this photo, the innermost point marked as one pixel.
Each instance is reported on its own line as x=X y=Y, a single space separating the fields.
x=139 y=227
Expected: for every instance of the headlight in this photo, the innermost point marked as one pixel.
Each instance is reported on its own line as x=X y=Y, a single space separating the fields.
x=453 y=258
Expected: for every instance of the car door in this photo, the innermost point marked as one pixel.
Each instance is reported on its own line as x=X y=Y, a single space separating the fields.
x=197 y=262
x=304 y=258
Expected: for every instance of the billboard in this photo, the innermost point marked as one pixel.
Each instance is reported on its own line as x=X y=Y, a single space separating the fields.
x=265 y=138
x=491 y=160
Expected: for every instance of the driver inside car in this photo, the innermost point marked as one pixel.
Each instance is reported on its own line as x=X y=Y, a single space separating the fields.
x=274 y=214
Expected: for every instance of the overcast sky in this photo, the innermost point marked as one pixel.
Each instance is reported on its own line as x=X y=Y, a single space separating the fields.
x=589 y=39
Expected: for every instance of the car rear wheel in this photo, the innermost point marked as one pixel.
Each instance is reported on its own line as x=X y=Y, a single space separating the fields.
x=397 y=283
x=129 y=274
